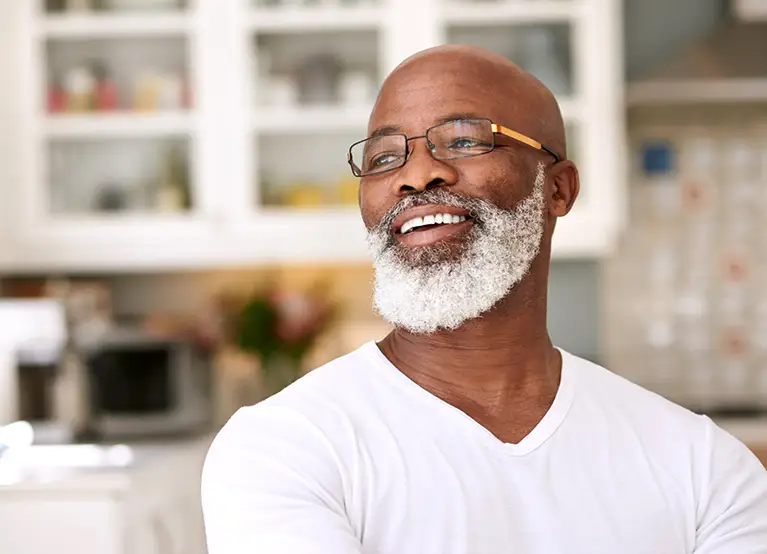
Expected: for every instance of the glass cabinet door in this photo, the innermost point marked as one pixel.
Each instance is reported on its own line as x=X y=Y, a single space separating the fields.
x=541 y=49
x=115 y=108
x=315 y=71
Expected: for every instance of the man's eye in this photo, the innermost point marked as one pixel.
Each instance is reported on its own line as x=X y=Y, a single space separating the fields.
x=384 y=159
x=465 y=143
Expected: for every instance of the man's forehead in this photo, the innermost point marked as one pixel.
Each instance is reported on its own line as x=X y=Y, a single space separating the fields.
x=414 y=105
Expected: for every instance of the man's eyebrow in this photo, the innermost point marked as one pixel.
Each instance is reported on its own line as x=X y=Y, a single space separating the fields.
x=386 y=130
x=459 y=115
x=389 y=129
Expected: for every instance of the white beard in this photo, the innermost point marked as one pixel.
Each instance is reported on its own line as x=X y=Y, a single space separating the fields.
x=424 y=291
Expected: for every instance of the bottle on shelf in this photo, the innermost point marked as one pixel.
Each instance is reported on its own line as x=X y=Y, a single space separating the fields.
x=106 y=96
x=187 y=96
x=111 y=197
x=80 y=86
x=55 y=6
x=173 y=193
x=78 y=6
x=57 y=98
x=146 y=92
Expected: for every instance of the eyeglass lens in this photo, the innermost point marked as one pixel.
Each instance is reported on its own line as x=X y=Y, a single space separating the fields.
x=451 y=140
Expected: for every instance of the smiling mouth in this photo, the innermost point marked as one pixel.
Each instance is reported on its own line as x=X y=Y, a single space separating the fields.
x=431 y=229
x=420 y=224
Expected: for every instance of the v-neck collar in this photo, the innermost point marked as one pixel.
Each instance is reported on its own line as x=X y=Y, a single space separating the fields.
x=541 y=433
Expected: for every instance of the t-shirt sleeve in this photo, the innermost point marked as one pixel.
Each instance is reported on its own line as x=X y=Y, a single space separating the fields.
x=271 y=484
x=732 y=515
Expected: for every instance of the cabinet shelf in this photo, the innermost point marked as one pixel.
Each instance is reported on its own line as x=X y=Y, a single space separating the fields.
x=113 y=226
x=518 y=11
x=315 y=19
x=320 y=118
x=118 y=125
x=691 y=91
x=114 y=26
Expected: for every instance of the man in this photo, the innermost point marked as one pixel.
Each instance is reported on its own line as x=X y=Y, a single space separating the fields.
x=465 y=431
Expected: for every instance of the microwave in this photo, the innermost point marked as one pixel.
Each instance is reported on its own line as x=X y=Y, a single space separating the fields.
x=142 y=385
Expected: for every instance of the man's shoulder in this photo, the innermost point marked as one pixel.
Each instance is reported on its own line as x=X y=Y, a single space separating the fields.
x=314 y=410
x=627 y=402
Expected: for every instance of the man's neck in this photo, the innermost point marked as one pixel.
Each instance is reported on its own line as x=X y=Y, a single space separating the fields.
x=500 y=369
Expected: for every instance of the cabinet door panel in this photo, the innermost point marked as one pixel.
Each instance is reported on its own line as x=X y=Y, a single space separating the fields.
x=45 y=524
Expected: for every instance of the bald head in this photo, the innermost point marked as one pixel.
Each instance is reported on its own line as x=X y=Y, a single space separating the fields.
x=470 y=74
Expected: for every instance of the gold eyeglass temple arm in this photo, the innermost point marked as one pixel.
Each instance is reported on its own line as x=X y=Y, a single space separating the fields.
x=518 y=136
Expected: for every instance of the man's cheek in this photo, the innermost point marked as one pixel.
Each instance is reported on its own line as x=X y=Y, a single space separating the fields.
x=370 y=219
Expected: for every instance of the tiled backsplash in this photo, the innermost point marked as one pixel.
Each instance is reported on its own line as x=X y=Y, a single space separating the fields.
x=686 y=296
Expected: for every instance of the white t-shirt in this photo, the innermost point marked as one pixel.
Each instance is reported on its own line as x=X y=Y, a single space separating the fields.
x=356 y=458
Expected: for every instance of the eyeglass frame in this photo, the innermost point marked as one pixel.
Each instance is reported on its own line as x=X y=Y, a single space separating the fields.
x=495 y=128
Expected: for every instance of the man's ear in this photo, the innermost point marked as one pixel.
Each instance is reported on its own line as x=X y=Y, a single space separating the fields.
x=565 y=186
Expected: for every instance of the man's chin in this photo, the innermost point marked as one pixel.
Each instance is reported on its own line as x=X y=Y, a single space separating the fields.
x=424 y=256
x=446 y=251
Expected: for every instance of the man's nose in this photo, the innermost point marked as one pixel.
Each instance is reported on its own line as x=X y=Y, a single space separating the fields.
x=422 y=171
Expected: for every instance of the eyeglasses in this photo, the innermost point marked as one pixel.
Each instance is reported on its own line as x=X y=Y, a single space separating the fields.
x=459 y=138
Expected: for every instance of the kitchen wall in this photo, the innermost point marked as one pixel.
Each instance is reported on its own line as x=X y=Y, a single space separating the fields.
x=573 y=295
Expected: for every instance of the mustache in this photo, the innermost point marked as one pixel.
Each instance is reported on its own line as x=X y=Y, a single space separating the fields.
x=475 y=206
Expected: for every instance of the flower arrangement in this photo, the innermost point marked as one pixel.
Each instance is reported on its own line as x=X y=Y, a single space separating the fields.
x=279 y=326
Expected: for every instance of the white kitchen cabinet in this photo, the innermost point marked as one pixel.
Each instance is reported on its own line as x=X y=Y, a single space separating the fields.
x=94 y=522
x=152 y=508
x=41 y=523
x=266 y=177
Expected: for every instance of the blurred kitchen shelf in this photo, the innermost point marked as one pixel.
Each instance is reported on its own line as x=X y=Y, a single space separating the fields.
x=696 y=91
x=330 y=233
x=121 y=242
x=720 y=67
x=518 y=11
x=118 y=125
x=106 y=224
x=312 y=118
x=129 y=242
x=315 y=19
x=271 y=235
x=115 y=26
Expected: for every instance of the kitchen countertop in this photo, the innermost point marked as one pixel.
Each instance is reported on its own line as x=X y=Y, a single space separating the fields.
x=148 y=458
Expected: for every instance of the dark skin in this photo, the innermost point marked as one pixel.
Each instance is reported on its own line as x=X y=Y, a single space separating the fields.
x=500 y=369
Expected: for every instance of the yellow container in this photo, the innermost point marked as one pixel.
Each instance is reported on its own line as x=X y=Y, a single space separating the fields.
x=305 y=196
x=347 y=191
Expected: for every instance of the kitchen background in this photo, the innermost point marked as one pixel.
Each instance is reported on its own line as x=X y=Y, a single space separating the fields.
x=179 y=234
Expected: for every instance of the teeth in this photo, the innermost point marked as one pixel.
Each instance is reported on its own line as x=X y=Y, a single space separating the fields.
x=442 y=219
x=415 y=222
